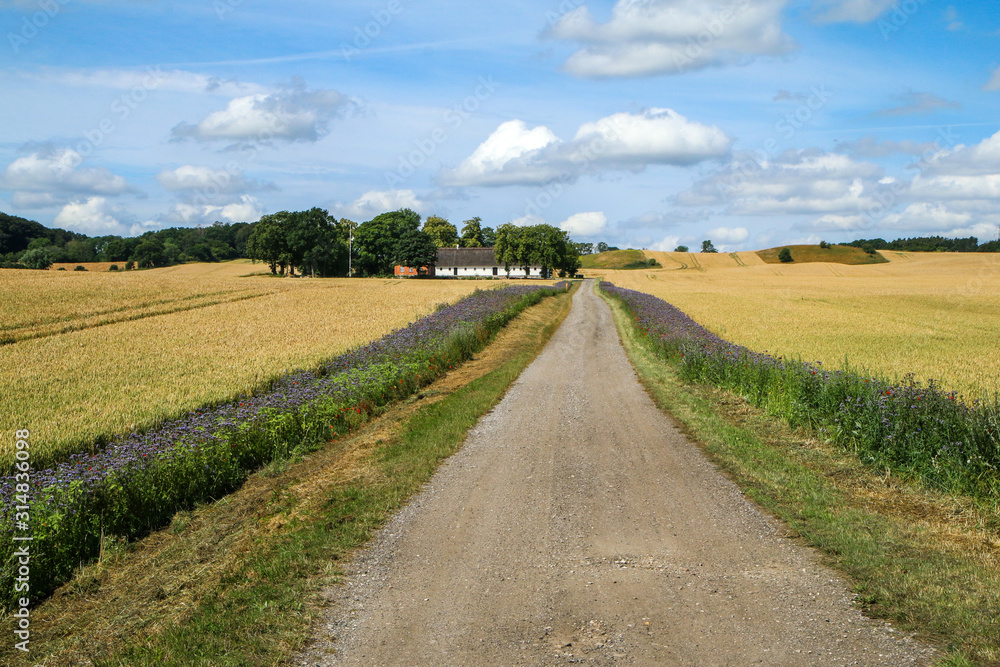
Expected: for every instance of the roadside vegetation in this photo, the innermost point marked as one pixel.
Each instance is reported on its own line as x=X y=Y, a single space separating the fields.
x=924 y=558
x=138 y=481
x=898 y=484
x=239 y=581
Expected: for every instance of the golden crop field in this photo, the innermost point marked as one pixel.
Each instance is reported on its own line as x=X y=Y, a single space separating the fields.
x=936 y=315
x=96 y=354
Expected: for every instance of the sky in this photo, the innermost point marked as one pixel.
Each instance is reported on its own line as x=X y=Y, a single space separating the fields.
x=641 y=123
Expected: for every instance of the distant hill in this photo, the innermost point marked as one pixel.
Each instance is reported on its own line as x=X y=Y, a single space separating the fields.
x=616 y=259
x=835 y=254
x=16 y=233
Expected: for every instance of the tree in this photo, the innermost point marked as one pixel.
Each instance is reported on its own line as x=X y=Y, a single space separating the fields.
x=489 y=237
x=506 y=246
x=267 y=242
x=682 y=248
x=707 y=246
x=472 y=233
x=415 y=248
x=785 y=256
x=149 y=254
x=585 y=248
x=824 y=245
x=602 y=247
x=442 y=233
x=376 y=240
x=37 y=258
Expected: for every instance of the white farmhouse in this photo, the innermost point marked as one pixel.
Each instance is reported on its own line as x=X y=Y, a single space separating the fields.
x=477 y=263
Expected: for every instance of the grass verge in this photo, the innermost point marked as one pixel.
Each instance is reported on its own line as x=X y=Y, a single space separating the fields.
x=838 y=254
x=239 y=581
x=926 y=561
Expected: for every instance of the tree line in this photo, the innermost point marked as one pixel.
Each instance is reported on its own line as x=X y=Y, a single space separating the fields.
x=289 y=242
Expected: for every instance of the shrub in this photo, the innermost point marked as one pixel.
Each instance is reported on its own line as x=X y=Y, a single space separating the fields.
x=682 y=248
x=129 y=265
x=824 y=245
x=113 y=267
x=785 y=255
x=80 y=267
x=868 y=248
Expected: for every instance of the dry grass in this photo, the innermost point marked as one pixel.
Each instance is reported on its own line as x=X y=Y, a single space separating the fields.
x=936 y=315
x=105 y=353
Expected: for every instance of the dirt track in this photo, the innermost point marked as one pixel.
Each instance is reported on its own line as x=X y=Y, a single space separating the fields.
x=578 y=525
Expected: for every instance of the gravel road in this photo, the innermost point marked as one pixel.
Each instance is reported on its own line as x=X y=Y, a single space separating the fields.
x=578 y=525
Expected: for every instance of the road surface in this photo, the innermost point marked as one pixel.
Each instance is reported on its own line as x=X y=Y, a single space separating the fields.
x=578 y=525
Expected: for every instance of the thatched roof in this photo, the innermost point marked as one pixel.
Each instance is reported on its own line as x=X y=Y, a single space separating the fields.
x=466 y=257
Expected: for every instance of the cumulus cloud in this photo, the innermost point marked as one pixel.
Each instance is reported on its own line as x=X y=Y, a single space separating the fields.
x=195 y=179
x=512 y=155
x=666 y=244
x=52 y=177
x=585 y=224
x=515 y=154
x=927 y=217
x=850 y=11
x=870 y=147
x=796 y=182
x=95 y=216
x=969 y=176
x=917 y=103
x=649 y=37
x=291 y=114
x=245 y=208
x=374 y=202
x=730 y=235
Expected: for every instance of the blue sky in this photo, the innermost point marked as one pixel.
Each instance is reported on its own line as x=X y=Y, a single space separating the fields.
x=643 y=123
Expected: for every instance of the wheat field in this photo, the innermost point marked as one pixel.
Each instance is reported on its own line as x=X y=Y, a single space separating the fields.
x=94 y=354
x=936 y=315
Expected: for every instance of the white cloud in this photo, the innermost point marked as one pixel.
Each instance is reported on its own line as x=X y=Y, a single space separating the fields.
x=731 y=235
x=667 y=244
x=95 y=216
x=654 y=136
x=927 y=218
x=291 y=114
x=374 y=202
x=917 y=103
x=851 y=11
x=511 y=155
x=528 y=220
x=585 y=224
x=205 y=180
x=244 y=209
x=840 y=222
x=514 y=154
x=147 y=79
x=994 y=82
x=798 y=181
x=648 y=37
x=53 y=177
x=964 y=173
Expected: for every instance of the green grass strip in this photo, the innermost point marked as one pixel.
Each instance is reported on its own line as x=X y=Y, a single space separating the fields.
x=259 y=616
x=900 y=573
